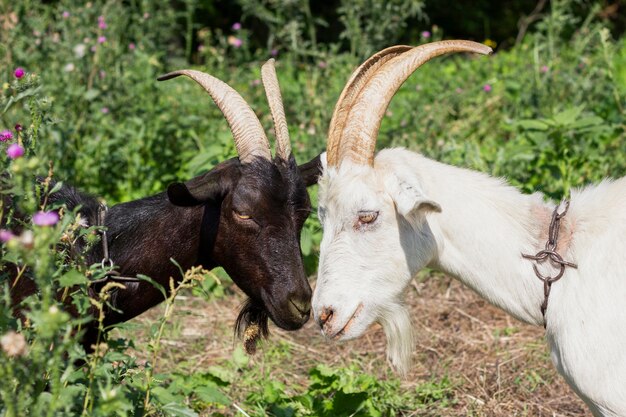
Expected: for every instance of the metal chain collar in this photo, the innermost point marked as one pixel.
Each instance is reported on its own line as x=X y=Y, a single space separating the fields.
x=107 y=262
x=550 y=253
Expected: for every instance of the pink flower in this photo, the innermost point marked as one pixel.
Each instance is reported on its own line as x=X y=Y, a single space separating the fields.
x=236 y=26
x=102 y=74
x=45 y=218
x=255 y=82
x=233 y=41
x=18 y=127
x=93 y=48
x=545 y=69
x=15 y=151
x=6 y=135
x=6 y=235
x=459 y=90
x=102 y=39
x=487 y=88
x=19 y=72
x=274 y=52
x=102 y=25
x=105 y=110
x=66 y=14
x=146 y=15
x=425 y=34
x=322 y=64
x=132 y=46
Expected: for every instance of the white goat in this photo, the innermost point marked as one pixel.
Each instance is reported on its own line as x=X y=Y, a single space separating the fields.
x=387 y=217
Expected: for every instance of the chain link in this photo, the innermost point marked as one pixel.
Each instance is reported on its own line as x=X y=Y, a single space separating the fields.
x=550 y=253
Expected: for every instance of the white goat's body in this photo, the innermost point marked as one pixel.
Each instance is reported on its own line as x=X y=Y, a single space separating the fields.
x=483 y=228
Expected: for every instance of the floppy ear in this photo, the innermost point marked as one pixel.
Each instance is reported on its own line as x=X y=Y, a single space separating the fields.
x=212 y=186
x=410 y=198
x=312 y=170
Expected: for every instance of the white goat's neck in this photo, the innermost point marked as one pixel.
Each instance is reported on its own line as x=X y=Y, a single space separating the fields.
x=484 y=227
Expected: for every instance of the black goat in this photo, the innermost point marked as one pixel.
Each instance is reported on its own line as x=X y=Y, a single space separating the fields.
x=245 y=215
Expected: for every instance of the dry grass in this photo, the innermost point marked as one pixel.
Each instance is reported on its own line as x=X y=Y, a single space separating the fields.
x=497 y=365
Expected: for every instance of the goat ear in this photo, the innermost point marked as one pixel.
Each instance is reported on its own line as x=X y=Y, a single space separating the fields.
x=312 y=170
x=212 y=186
x=410 y=199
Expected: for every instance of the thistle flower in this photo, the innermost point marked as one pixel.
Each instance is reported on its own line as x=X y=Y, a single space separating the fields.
x=6 y=235
x=487 y=88
x=274 y=52
x=18 y=127
x=19 y=72
x=426 y=34
x=131 y=46
x=102 y=39
x=545 y=69
x=13 y=344
x=66 y=14
x=15 y=151
x=45 y=218
x=236 y=26
x=105 y=110
x=234 y=41
x=6 y=135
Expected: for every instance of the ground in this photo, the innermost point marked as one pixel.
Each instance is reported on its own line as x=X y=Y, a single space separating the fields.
x=496 y=365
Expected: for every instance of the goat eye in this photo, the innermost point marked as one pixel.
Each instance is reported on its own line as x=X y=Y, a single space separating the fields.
x=366 y=217
x=242 y=216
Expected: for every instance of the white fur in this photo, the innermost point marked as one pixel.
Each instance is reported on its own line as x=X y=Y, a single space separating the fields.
x=475 y=228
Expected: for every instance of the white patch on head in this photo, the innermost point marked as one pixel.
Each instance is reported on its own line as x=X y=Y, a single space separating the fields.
x=371 y=263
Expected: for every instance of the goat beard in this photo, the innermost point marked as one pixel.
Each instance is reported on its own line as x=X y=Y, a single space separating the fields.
x=396 y=322
x=252 y=324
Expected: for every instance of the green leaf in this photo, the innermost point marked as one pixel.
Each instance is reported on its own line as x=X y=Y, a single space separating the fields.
x=211 y=395
x=91 y=94
x=71 y=278
x=529 y=124
x=569 y=116
x=177 y=410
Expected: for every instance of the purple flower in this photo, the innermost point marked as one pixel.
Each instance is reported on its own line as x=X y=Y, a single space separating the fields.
x=487 y=88
x=93 y=48
x=545 y=69
x=15 y=151
x=132 y=46
x=100 y=18
x=102 y=24
x=6 y=235
x=102 y=39
x=425 y=34
x=274 y=52
x=19 y=72
x=6 y=135
x=236 y=26
x=45 y=218
x=322 y=64
x=105 y=110
x=66 y=14
x=18 y=127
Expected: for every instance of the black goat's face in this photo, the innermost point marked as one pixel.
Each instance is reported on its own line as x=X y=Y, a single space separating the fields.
x=262 y=206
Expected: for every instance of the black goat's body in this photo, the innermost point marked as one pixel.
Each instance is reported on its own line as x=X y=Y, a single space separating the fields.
x=262 y=255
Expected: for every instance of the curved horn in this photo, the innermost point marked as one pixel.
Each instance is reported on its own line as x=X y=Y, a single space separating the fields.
x=355 y=84
x=361 y=130
x=250 y=139
x=275 y=100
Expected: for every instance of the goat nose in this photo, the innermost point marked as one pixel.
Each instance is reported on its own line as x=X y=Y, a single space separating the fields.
x=325 y=316
x=302 y=306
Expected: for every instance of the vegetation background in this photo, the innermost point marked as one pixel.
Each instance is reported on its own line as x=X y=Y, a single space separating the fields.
x=546 y=111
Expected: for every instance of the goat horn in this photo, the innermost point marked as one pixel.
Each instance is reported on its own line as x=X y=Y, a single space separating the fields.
x=355 y=84
x=275 y=100
x=365 y=115
x=250 y=139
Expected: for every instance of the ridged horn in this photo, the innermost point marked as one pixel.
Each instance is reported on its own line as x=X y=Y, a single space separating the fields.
x=355 y=84
x=275 y=101
x=358 y=138
x=250 y=139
